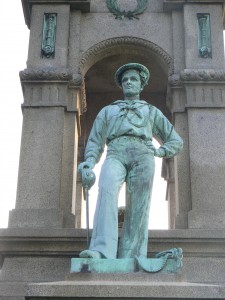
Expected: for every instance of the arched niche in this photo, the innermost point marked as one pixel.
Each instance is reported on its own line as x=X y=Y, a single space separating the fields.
x=99 y=64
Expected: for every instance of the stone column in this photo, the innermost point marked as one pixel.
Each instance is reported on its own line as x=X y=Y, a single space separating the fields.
x=207 y=155
x=168 y=174
x=204 y=80
x=196 y=94
x=50 y=130
x=48 y=152
x=177 y=101
x=181 y=162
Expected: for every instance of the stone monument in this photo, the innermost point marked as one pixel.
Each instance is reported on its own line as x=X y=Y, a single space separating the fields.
x=75 y=47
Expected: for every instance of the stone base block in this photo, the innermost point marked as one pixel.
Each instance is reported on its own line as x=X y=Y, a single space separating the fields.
x=12 y=290
x=12 y=298
x=200 y=219
x=123 y=289
x=26 y=269
x=134 y=276
x=35 y=218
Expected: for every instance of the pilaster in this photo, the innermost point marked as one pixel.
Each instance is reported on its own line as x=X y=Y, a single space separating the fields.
x=206 y=107
x=197 y=102
x=204 y=103
x=53 y=100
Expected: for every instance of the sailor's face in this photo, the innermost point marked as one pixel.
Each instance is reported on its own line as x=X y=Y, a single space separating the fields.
x=131 y=83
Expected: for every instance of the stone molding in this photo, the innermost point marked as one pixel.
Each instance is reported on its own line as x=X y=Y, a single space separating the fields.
x=49 y=87
x=170 y=5
x=198 y=75
x=197 y=88
x=203 y=75
x=101 y=50
x=71 y=241
x=124 y=289
x=47 y=74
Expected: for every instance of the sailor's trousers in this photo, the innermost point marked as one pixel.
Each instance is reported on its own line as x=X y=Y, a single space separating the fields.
x=128 y=160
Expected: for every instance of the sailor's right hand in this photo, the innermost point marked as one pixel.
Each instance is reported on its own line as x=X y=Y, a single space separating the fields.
x=86 y=165
x=88 y=175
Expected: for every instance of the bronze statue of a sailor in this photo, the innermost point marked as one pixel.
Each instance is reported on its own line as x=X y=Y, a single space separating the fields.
x=127 y=128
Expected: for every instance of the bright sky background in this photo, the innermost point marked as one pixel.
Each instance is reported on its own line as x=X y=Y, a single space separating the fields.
x=13 y=55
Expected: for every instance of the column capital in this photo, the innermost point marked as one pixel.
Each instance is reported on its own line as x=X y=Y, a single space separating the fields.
x=45 y=74
x=170 y=5
x=82 y=5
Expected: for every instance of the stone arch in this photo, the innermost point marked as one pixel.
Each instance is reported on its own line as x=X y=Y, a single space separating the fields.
x=120 y=44
x=99 y=63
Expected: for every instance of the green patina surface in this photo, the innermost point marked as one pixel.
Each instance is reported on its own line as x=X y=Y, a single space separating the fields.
x=168 y=262
x=93 y=265
x=119 y=14
x=127 y=128
x=49 y=35
x=204 y=36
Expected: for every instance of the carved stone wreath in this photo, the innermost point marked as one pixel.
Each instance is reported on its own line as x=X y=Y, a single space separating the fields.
x=114 y=8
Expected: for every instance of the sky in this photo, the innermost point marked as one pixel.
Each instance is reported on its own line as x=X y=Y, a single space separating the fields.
x=13 y=55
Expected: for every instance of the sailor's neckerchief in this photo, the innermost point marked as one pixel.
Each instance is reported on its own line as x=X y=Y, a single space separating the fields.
x=127 y=106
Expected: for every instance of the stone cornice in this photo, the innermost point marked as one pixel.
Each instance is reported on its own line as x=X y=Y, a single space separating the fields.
x=198 y=75
x=83 y=5
x=202 y=75
x=60 y=242
x=170 y=5
x=47 y=74
x=48 y=87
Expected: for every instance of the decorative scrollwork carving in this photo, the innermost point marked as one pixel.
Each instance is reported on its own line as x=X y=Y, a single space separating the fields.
x=176 y=80
x=45 y=74
x=114 y=8
x=202 y=75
